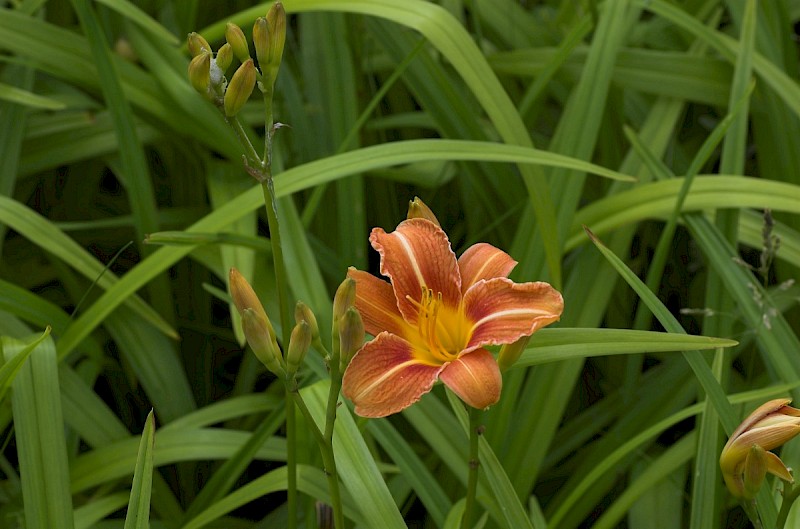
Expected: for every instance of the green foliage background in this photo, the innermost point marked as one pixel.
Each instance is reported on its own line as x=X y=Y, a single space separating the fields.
x=489 y=110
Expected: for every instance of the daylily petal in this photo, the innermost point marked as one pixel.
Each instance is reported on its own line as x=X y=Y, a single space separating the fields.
x=483 y=261
x=475 y=378
x=503 y=311
x=756 y=415
x=384 y=377
x=776 y=467
x=376 y=302
x=416 y=255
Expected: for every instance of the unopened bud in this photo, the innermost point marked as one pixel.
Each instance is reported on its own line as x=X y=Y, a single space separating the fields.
x=417 y=209
x=235 y=37
x=197 y=44
x=224 y=57
x=344 y=299
x=200 y=72
x=510 y=353
x=262 y=341
x=303 y=313
x=244 y=297
x=298 y=347
x=276 y=19
x=351 y=336
x=240 y=88
x=261 y=42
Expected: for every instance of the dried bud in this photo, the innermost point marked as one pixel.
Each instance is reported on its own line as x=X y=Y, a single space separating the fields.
x=200 y=72
x=224 y=57
x=303 y=313
x=197 y=44
x=262 y=341
x=510 y=353
x=235 y=37
x=240 y=88
x=351 y=336
x=344 y=299
x=298 y=347
x=417 y=209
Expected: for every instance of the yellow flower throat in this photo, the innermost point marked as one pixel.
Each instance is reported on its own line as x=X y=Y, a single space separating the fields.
x=443 y=331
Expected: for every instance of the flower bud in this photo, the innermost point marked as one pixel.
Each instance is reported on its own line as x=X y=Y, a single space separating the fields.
x=262 y=341
x=197 y=44
x=298 y=347
x=344 y=299
x=261 y=42
x=235 y=37
x=771 y=425
x=417 y=209
x=510 y=353
x=240 y=88
x=224 y=57
x=276 y=20
x=244 y=297
x=200 y=72
x=303 y=313
x=351 y=336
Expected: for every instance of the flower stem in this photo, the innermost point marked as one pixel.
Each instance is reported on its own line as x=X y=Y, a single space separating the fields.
x=789 y=497
x=475 y=431
x=330 y=463
x=291 y=462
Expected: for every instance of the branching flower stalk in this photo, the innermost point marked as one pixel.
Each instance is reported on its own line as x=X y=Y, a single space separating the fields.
x=207 y=75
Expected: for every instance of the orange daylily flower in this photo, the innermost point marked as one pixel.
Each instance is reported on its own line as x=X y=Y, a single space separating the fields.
x=745 y=460
x=434 y=319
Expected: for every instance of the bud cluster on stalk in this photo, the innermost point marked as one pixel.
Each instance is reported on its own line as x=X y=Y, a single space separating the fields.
x=348 y=328
x=207 y=69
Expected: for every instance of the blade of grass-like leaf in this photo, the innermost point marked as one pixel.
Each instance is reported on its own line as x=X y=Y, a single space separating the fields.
x=88 y=515
x=728 y=47
x=138 y=516
x=657 y=199
x=424 y=483
x=133 y=165
x=43 y=233
x=134 y=14
x=118 y=459
x=504 y=493
x=627 y=448
x=11 y=366
x=698 y=364
x=355 y=464
x=290 y=181
x=41 y=445
x=553 y=345
x=28 y=99
x=310 y=480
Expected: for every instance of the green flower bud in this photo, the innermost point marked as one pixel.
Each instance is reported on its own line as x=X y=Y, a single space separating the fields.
x=197 y=44
x=351 y=336
x=200 y=72
x=298 y=347
x=276 y=19
x=261 y=42
x=257 y=331
x=235 y=37
x=240 y=88
x=510 y=353
x=344 y=299
x=417 y=209
x=303 y=313
x=224 y=57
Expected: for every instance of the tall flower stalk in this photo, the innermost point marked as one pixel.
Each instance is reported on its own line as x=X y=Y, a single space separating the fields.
x=207 y=75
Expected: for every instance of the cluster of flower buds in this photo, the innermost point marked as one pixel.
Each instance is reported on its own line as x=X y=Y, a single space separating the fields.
x=348 y=328
x=745 y=460
x=207 y=70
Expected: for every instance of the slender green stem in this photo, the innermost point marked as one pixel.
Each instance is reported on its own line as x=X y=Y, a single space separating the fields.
x=475 y=431
x=291 y=462
x=789 y=497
